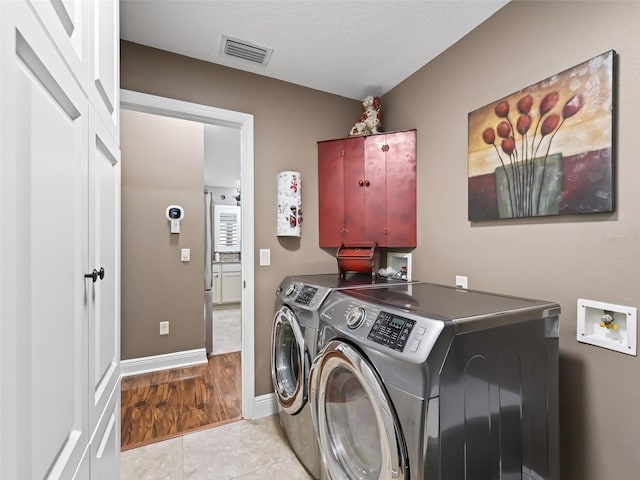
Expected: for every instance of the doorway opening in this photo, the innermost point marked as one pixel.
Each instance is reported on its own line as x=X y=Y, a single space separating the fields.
x=242 y=123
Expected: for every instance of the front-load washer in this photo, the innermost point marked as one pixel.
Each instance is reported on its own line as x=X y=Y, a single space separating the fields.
x=429 y=382
x=294 y=345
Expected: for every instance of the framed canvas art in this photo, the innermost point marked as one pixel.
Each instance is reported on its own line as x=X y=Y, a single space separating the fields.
x=546 y=149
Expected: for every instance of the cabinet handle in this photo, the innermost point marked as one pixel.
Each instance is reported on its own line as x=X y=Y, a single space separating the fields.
x=95 y=275
x=366 y=183
x=361 y=182
x=385 y=148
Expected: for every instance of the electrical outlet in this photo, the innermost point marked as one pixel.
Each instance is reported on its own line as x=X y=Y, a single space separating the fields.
x=461 y=281
x=164 y=328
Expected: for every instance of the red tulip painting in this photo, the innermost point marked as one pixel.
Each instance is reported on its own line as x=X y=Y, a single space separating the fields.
x=546 y=149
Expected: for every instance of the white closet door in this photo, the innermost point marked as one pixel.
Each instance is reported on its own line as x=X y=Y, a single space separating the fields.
x=104 y=88
x=104 y=239
x=105 y=444
x=43 y=330
x=67 y=23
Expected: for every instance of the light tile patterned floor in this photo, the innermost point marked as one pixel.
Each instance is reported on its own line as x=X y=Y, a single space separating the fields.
x=227 y=329
x=244 y=450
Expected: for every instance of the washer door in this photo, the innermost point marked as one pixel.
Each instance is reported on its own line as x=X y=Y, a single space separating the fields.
x=289 y=361
x=356 y=425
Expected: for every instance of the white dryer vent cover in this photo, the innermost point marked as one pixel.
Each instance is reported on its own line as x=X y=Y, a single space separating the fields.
x=233 y=47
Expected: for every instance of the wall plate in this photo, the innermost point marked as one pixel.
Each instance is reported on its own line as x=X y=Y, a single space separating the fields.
x=619 y=335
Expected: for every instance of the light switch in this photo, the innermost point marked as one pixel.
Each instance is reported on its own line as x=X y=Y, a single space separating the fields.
x=185 y=255
x=265 y=257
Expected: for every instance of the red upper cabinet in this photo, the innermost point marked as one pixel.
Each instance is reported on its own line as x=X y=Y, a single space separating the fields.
x=367 y=190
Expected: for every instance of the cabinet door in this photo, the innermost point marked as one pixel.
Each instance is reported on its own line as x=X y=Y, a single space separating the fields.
x=231 y=283
x=354 y=190
x=104 y=239
x=376 y=210
x=330 y=193
x=401 y=189
x=43 y=321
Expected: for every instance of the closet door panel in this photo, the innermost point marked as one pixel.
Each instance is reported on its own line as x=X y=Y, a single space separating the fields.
x=67 y=21
x=104 y=239
x=104 y=76
x=43 y=333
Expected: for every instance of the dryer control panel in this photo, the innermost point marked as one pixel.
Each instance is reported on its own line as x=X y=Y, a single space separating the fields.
x=307 y=297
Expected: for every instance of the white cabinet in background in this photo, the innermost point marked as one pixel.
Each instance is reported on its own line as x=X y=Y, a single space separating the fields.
x=227 y=283
x=231 y=283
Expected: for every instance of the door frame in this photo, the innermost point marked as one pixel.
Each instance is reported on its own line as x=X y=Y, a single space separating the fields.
x=169 y=107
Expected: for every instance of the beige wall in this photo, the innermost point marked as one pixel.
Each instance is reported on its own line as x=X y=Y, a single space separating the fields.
x=162 y=165
x=562 y=259
x=288 y=121
x=593 y=256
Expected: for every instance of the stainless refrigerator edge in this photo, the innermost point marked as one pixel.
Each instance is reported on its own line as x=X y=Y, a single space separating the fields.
x=208 y=274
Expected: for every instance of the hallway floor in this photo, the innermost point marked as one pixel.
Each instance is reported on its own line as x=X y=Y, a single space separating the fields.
x=227 y=329
x=167 y=403
x=242 y=450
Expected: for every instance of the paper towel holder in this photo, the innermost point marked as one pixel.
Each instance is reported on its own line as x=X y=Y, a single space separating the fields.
x=289 y=214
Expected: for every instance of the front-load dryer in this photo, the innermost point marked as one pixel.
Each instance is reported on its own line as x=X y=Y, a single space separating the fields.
x=294 y=346
x=429 y=382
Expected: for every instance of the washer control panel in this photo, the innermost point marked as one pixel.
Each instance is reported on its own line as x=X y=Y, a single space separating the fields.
x=398 y=333
x=391 y=330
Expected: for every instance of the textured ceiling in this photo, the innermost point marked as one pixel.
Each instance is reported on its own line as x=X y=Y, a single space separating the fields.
x=351 y=48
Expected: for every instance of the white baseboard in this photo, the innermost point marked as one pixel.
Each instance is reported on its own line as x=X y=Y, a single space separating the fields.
x=265 y=405
x=165 y=361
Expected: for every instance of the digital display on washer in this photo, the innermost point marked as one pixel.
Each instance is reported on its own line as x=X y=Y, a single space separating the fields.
x=391 y=330
x=305 y=295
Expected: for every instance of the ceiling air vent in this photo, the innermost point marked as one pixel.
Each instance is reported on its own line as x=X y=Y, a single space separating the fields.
x=232 y=47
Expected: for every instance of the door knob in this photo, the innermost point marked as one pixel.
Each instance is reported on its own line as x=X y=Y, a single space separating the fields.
x=95 y=275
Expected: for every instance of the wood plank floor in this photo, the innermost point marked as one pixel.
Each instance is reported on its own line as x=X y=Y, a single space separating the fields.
x=168 y=403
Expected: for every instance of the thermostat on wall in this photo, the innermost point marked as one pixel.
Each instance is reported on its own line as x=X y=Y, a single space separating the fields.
x=175 y=214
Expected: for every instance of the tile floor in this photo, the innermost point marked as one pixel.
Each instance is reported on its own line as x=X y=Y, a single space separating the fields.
x=227 y=329
x=243 y=450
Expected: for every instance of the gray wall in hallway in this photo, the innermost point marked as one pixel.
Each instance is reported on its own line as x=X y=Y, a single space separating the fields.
x=162 y=165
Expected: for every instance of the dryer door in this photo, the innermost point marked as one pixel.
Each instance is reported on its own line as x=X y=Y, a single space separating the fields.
x=289 y=361
x=357 y=427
